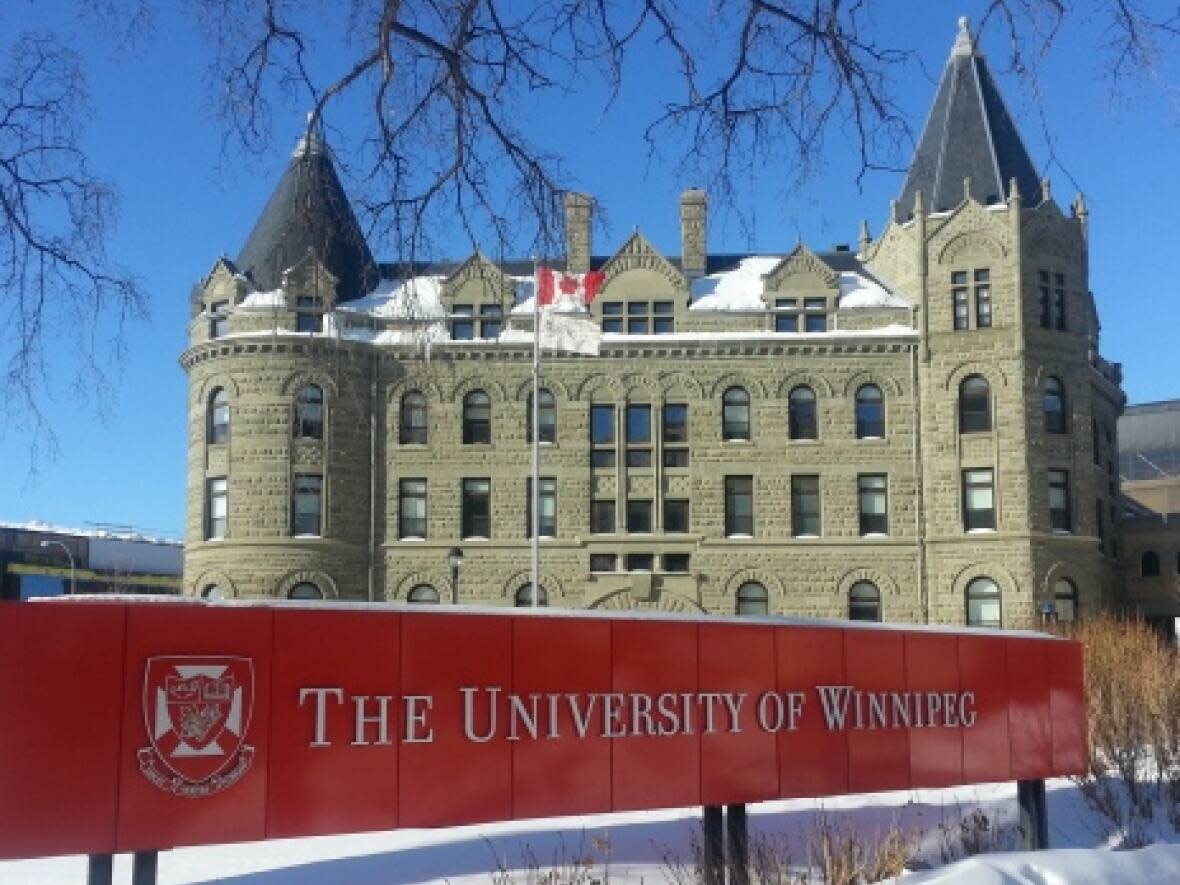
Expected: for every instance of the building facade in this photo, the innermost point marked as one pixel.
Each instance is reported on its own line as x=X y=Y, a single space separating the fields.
x=918 y=430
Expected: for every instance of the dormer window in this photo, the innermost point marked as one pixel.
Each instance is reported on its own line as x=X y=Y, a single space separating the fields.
x=490 y=320
x=218 y=319
x=308 y=315
x=462 y=322
x=642 y=317
x=815 y=315
x=468 y=323
x=786 y=317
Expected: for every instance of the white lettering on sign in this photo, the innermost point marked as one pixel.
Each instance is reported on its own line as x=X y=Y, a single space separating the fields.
x=489 y=713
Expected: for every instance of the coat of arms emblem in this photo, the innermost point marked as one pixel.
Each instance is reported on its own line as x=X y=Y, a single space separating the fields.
x=197 y=710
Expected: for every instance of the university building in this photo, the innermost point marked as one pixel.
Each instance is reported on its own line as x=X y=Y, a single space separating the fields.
x=919 y=428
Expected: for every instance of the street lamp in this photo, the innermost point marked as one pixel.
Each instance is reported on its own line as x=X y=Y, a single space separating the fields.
x=70 y=556
x=455 y=558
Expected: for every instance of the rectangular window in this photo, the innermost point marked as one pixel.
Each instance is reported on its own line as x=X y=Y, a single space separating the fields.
x=1059 y=510
x=603 y=562
x=490 y=320
x=218 y=319
x=675 y=434
x=639 y=435
x=979 y=505
x=1043 y=296
x=815 y=317
x=602 y=436
x=602 y=517
x=462 y=322
x=1059 y=302
x=476 y=516
x=983 y=299
x=640 y=562
x=662 y=322
x=308 y=317
x=739 y=506
x=871 y=493
x=639 y=516
x=546 y=507
x=411 y=511
x=677 y=563
x=805 y=506
x=786 y=317
x=1100 y=524
x=676 y=515
x=612 y=317
x=306 y=504
x=637 y=320
x=959 y=296
x=216 y=507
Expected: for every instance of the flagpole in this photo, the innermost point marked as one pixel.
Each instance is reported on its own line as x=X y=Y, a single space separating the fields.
x=535 y=510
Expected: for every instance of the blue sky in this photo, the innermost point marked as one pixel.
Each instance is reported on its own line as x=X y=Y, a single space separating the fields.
x=185 y=200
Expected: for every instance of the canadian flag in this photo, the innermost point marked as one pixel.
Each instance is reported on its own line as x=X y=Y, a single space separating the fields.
x=577 y=287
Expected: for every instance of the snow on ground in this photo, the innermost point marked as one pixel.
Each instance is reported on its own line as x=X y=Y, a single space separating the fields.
x=645 y=846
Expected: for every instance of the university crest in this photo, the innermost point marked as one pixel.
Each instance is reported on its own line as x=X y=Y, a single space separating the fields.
x=197 y=710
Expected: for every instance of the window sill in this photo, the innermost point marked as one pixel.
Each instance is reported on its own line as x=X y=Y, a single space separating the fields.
x=981 y=531
x=875 y=535
x=806 y=537
x=872 y=439
x=737 y=536
x=1063 y=532
x=413 y=538
x=308 y=537
x=803 y=441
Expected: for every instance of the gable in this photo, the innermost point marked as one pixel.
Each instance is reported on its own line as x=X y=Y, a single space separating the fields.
x=478 y=280
x=801 y=269
x=639 y=254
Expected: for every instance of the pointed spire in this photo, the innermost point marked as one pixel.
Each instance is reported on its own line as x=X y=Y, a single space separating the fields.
x=311 y=139
x=865 y=237
x=969 y=134
x=309 y=213
x=1046 y=191
x=1013 y=190
x=1080 y=209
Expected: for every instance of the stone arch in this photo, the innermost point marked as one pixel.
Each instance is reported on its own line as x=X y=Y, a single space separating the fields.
x=737 y=379
x=665 y=601
x=883 y=582
x=992 y=373
x=211 y=383
x=973 y=241
x=298 y=576
x=486 y=383
x=552 y=586
x=818 y=383
x=525 y=389
x=596 y=383
x=673 y=382
x=423 y=383
x=436 y=579
x=214 y=576
x=888 y=384
x=1057 y=370
x=1004 y=580
x=1061 y=569
x=767 y=579
x=294 y=381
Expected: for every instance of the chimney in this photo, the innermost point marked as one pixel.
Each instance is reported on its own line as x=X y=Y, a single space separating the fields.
x=578 y=210
x=693 y=232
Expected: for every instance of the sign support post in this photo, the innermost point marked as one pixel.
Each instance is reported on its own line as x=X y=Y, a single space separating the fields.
x=143 y=867
x=713 y=853
x=737 y=844
x=101 y=869
x=1034 y=814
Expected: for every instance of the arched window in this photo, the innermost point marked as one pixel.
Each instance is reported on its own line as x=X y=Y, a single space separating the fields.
x=309 y=413
x=218 y=431
x=1149 y=564
x=477 y=418
x=802 y=422
x=983 y=603
x=524 y=596
x=735 y=414
x=213 y=591
x=412 y=427
x=546 y=418
x=864 y=602
x=1054 y=405
x=975 y=405
x=1065 y=600
x=424 y=594
x=305 y=590
x=870 y=412
x=752 y=599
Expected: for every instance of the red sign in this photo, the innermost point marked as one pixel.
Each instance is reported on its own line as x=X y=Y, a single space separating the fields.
x=130 y=725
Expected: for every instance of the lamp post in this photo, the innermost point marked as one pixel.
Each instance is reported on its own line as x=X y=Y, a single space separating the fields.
x=455 y=559
x=70 y=556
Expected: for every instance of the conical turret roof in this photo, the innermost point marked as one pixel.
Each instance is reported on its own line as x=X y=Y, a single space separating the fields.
x=969 y=134
x=309 y=213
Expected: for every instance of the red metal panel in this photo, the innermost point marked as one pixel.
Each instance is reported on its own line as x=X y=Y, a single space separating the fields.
x=741 y=766
x=452 y=780
x=813 y=759
x=1028 y=709
x=568 y=774
x=655 y=656
x=932 y=670
x=983 y=670
x=341 y=662
x=151 y=817
x=878 y=754
x=61 y=694
x=1067 y=700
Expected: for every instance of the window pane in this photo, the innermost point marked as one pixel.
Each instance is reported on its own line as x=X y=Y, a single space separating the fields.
x=675 y=423
x=639 y=516
x=676 y=515
x=477 y=418
x=218 y=416
x=603 y=562
x=816 y=323
x=677 y=562
x=309 y=413
x=864 y=602
x=476 y=515
x=602 y=458
x=801 y=414
x=786 y=322
x=870 y=413
x=602 y=424
x=637 y=326
x=983 y=603
x=974 y=405
x=423 y=594
x=612 y=308
x=217 y=507
x=412 y=508
x=602 y=517
x=638 y=424
x=305 y=590
x=739 y=505
x=752 y=599
x=306 y=505
x=805 y=506
x=413 y=420
x=872 y=494
x=676 y=457
x=546 y=507
x=640 y=562
x=735 y=414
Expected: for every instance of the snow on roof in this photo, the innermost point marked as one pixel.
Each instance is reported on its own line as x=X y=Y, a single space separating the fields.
x=414 y=298
x=264 y=300
x=737 y=289
x=857 y=291
x=120 y=534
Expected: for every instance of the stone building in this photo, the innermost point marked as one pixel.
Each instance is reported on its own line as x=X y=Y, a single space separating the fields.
x=920 y=430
